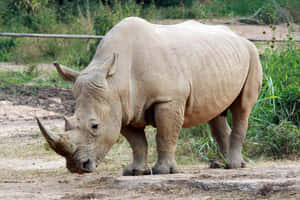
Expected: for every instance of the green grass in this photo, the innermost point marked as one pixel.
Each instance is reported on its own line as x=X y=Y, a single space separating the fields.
x=33 y=79
x=275 y=120
x=14 y=78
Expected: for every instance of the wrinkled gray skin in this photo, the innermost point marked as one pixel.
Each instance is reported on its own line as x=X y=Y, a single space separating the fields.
x=168 y=76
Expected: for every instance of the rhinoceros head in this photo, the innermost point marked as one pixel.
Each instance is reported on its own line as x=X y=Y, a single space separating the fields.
x=96 y=124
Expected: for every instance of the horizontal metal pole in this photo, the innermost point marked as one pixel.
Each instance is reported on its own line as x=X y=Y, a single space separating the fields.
x=37 y=35
x=69 y=36
x=270 y=40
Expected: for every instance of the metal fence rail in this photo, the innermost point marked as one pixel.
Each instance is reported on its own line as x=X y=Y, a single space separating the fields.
x=270 y=40
x=69 y=36
x=37 y=35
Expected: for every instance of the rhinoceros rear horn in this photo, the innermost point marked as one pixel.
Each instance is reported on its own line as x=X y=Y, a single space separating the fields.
x=66 y=73
x=69 y=123
x=59 y=143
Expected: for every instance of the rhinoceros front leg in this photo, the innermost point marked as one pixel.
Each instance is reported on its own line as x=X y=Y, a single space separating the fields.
x=168 y=119
x=138 y=143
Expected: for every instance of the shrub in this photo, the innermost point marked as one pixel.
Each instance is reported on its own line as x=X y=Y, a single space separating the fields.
x=280 y=95
x=275 y=118
x=6 y=46
x=277 y=141
x=107 y=16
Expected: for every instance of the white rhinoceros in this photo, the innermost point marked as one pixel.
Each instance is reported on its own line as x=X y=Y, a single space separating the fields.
x=167 y=76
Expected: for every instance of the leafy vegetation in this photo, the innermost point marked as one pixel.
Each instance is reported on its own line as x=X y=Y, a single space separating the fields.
x=97 y=17
x=275 y=126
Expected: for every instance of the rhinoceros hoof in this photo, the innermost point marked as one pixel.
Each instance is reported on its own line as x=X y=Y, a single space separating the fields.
x=242 y=164
x=134 y=171
x=161 y=169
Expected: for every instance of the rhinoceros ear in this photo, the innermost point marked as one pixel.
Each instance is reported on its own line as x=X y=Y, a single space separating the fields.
x=100 y=72
x=66 y=73
x=110 y=65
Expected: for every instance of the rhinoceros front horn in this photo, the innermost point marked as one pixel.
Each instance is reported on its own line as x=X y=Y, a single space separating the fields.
x=59 y=143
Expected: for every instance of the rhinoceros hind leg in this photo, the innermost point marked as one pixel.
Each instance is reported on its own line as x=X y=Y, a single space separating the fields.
x=221 y=132
x=138 y=143
x=168 y=120
x=241 y=109
x=240 y=125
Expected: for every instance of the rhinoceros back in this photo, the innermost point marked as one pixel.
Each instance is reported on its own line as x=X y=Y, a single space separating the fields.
x=206 y=65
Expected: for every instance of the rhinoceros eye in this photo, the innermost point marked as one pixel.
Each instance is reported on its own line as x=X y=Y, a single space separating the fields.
x=95 y=126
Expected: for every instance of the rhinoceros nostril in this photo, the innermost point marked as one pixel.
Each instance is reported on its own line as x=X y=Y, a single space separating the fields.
x=87 y=166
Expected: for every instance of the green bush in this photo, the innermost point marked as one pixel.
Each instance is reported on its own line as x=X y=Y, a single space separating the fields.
x=107 y=16
x=276 y=141
x=6 y=46
x=279 y=99
x=176 y=12
x=217 y=8
x=43 y=17
x=275 y=118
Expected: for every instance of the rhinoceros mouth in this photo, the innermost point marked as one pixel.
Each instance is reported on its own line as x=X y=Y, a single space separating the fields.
x=78 y=159
x=82 y=166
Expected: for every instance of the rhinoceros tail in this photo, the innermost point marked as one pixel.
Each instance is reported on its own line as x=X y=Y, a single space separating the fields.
x=224 y=113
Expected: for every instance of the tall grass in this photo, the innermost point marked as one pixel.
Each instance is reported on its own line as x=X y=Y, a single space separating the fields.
x=275 y=120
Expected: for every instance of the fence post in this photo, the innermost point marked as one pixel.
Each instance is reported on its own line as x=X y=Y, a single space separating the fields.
x=87 y=45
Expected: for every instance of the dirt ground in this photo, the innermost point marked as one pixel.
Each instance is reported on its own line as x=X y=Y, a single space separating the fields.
x=30 y=170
